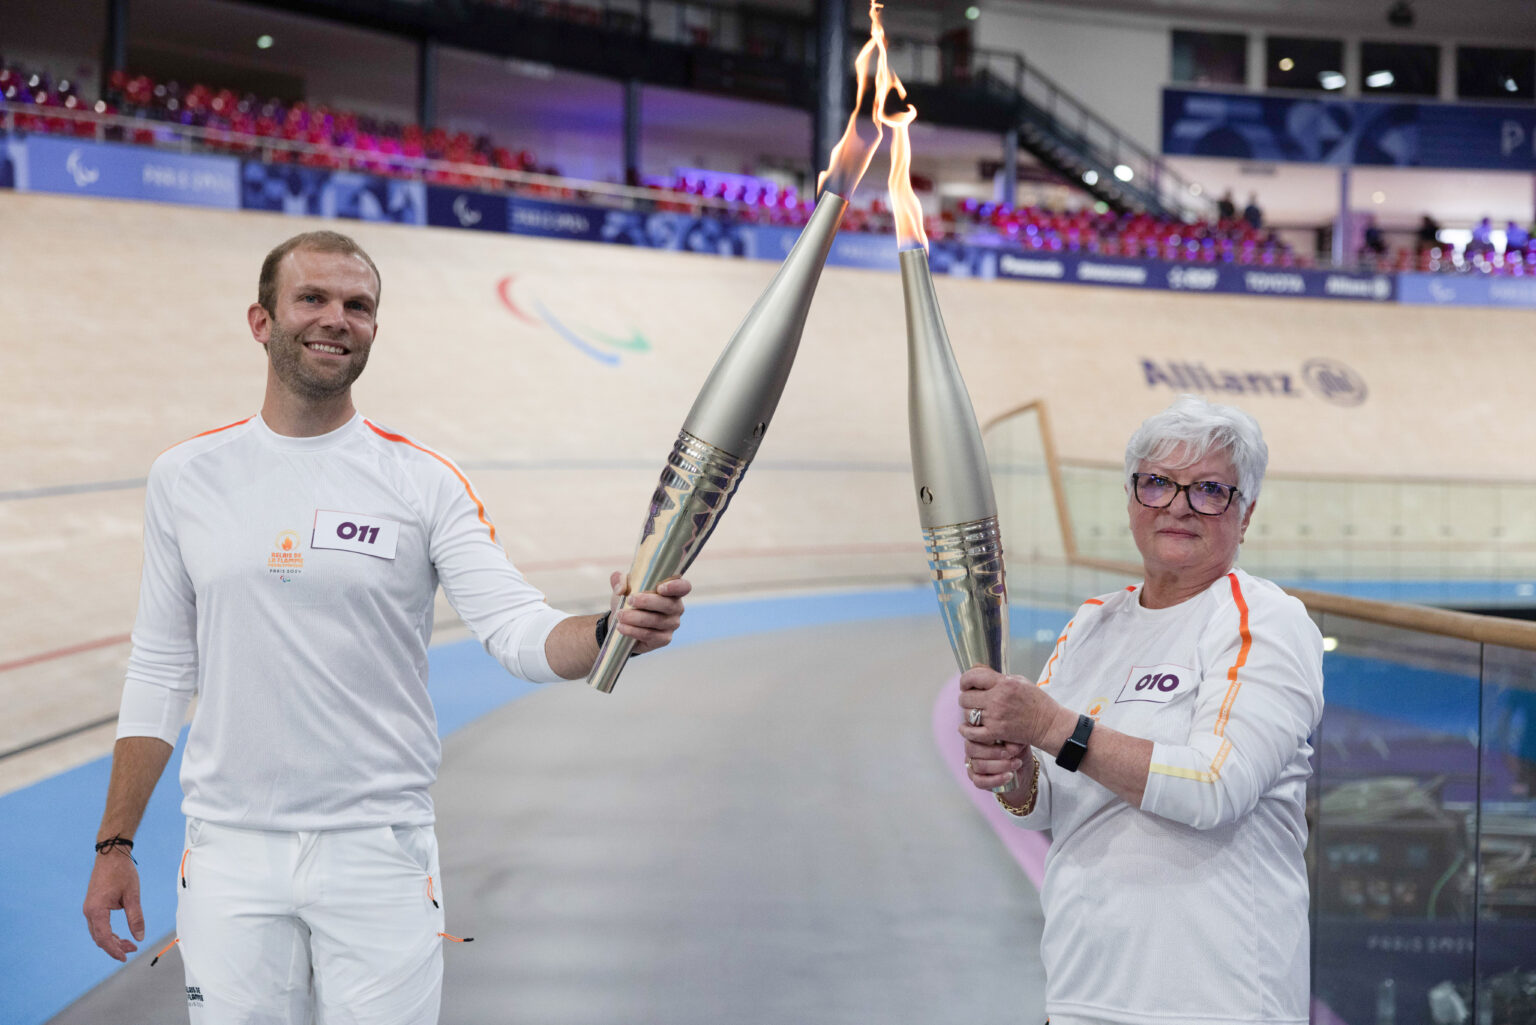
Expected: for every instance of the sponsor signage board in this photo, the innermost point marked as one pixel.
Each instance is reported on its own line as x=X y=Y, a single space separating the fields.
x=1331 y=130
x=457 y=208
x=1466 y=290
x=1075 y=268
x=320 y=192
x=127 y=172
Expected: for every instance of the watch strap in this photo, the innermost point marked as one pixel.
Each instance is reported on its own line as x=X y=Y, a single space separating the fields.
x=1071 y=754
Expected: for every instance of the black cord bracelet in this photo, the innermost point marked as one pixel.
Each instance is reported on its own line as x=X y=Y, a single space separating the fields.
x=106 y=846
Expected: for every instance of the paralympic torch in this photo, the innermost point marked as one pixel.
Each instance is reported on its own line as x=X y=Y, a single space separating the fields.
x=955 y=501
x=732 y=411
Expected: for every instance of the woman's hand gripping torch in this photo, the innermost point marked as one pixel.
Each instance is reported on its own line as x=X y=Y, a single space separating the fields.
x=955 y=501
x=731 y=413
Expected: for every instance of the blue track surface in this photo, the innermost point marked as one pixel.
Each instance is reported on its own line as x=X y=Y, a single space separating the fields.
x=46 y=830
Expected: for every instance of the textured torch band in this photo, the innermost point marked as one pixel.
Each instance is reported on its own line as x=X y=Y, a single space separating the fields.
x=695 y=487
x=966 y=561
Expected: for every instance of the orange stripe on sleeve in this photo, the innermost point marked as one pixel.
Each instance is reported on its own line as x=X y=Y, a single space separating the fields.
x=1233 y=683
x=1059 y=642
x=403 y=440
x=216 y=430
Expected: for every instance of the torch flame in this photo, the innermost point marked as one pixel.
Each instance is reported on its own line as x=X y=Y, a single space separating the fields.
x=904 y=204
x=853 y=152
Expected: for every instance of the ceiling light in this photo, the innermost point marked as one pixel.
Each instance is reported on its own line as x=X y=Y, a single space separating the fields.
x=1286 y=64
x=1378 y=197
x=1379 y=79
x=1510 y=86
x=1196 y=189
x=1090 y=177
x=1331 y=79
x=1124 y=173
x=263 y=42
x=972 y=13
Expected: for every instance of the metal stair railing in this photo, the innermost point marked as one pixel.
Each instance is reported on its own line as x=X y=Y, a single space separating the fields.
x=1061 y=131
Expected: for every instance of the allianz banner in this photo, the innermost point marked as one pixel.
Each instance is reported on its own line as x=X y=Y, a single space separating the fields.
x=1288 y=282
x=125 y=172
x=1348 y=132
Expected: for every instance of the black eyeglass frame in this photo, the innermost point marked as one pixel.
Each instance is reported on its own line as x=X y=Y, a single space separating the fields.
x=1233 y=492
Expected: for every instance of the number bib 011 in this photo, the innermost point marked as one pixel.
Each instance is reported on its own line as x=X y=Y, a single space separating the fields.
x=355 y=532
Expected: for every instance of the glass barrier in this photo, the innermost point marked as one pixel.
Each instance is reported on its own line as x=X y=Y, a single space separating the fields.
x=1439 y=541
x=1422 y=847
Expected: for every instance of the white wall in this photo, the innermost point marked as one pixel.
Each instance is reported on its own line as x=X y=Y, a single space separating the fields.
x=1114 y=65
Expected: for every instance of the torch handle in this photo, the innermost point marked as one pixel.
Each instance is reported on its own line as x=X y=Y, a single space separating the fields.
x=695 y=487
x=966 y=562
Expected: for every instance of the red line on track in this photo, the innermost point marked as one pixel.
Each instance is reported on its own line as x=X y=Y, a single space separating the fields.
x=73 y=649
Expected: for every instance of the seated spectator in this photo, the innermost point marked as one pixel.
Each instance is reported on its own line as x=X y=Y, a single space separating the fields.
x=1226 y=209
x=1252 y=214
x=1516 y=238
x=1482 y=238
x=1373 y=245
x=1429 y=233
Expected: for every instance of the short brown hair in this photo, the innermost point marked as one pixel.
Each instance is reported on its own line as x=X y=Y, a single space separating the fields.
x=317 y=241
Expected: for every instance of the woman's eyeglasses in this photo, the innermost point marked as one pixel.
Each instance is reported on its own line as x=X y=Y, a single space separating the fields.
x=1206 y=497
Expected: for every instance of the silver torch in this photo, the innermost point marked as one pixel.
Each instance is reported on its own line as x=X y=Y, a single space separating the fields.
x=955 y=503
x=953 y=486
x=734 y=407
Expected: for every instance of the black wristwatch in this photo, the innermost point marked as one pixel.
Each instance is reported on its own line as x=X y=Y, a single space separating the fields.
x=601 y=628
x=1071 y=754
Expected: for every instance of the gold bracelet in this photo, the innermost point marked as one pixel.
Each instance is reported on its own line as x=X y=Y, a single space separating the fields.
x=1034 y=792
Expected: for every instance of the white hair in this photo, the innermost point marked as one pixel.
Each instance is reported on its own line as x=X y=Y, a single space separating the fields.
x=1195 y=427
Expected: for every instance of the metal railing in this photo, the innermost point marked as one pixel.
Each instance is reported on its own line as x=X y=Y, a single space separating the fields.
x=171 y=136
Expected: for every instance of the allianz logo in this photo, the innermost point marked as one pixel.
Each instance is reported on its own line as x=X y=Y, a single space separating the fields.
x=1195 y=279
x=1020 y=267
x=1377 y=288
x=1328 y=379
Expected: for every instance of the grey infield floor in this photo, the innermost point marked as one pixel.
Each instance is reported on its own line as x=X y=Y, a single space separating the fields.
x=754 y=830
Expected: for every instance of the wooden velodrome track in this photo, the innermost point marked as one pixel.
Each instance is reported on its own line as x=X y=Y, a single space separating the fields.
x=124 y=328
x=124 y=331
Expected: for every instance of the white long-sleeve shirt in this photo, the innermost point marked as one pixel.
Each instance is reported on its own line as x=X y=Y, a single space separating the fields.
x=289 y=583
x=1191 y=909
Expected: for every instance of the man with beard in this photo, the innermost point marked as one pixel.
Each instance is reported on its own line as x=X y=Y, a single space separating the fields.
x=291 y=562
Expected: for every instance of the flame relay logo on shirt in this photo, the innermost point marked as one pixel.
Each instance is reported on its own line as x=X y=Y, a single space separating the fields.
x=287 y=561
x=1328 y=379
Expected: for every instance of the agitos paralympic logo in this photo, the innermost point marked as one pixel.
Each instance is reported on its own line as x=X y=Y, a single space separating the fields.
x=608 y=349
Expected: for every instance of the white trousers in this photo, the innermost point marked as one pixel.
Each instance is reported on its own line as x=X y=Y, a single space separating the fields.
x=337 y=927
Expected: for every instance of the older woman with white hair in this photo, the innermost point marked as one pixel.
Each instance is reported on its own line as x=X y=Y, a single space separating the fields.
x=1165 y=748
